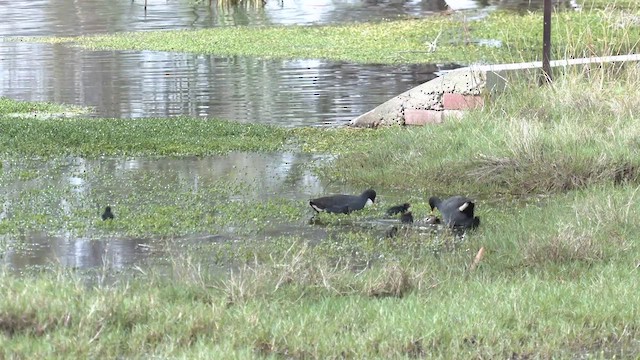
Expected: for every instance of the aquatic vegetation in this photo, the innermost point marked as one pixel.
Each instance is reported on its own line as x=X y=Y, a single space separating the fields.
x=38 y=110
x=153 y=203
x=126 y=137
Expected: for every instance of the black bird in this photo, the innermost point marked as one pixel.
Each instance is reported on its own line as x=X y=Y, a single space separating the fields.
x=406 y=218
x=398 y=209
x=107 y=213
x=391 y=232
x=457 y=211
x=342 y=204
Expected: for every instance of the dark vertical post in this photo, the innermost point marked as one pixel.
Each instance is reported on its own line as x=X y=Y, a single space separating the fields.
x=546 y=43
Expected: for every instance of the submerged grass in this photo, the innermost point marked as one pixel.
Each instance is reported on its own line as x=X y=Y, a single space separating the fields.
x=38 y=196
x=438 y=39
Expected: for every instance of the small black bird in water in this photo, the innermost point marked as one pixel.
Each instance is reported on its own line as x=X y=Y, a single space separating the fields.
x=398 y=209
x=406 y=218
x=107 y=214
x=343 y=204
x=457 y=211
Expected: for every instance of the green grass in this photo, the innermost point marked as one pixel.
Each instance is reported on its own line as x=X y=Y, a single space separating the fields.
x=26 y=135
x=438 y=39
x=169 y=136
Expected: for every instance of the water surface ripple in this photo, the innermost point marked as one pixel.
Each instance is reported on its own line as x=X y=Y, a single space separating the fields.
x=131 y=84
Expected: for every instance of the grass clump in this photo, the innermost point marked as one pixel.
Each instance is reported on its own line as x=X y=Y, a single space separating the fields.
x=435 y=39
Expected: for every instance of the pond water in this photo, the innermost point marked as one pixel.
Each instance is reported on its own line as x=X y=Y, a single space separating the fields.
x=158 y=84
x=126 y=84
x=69 y=17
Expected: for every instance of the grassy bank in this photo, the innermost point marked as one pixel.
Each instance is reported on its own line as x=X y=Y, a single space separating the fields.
x=583 y=130
x=437 y=39
x=528 y=316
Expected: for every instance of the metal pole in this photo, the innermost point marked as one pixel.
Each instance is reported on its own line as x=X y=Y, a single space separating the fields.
x=546 y=44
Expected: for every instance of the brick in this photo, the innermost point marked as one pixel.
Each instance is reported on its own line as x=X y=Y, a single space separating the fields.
x=422 y=117
x=461 y=102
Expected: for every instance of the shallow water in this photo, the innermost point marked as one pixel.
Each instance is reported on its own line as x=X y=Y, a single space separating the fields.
x=60 y=193
x=284 y=174
x=51 y=210
x=41 y=250
x=125 y=84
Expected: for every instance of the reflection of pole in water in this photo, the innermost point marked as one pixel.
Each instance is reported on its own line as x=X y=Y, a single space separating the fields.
x=145 y=6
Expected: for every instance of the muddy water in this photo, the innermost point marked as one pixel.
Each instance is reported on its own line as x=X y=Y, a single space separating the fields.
x=158 y=84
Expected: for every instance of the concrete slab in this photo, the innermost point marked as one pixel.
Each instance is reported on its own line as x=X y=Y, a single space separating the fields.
x=459 y=89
